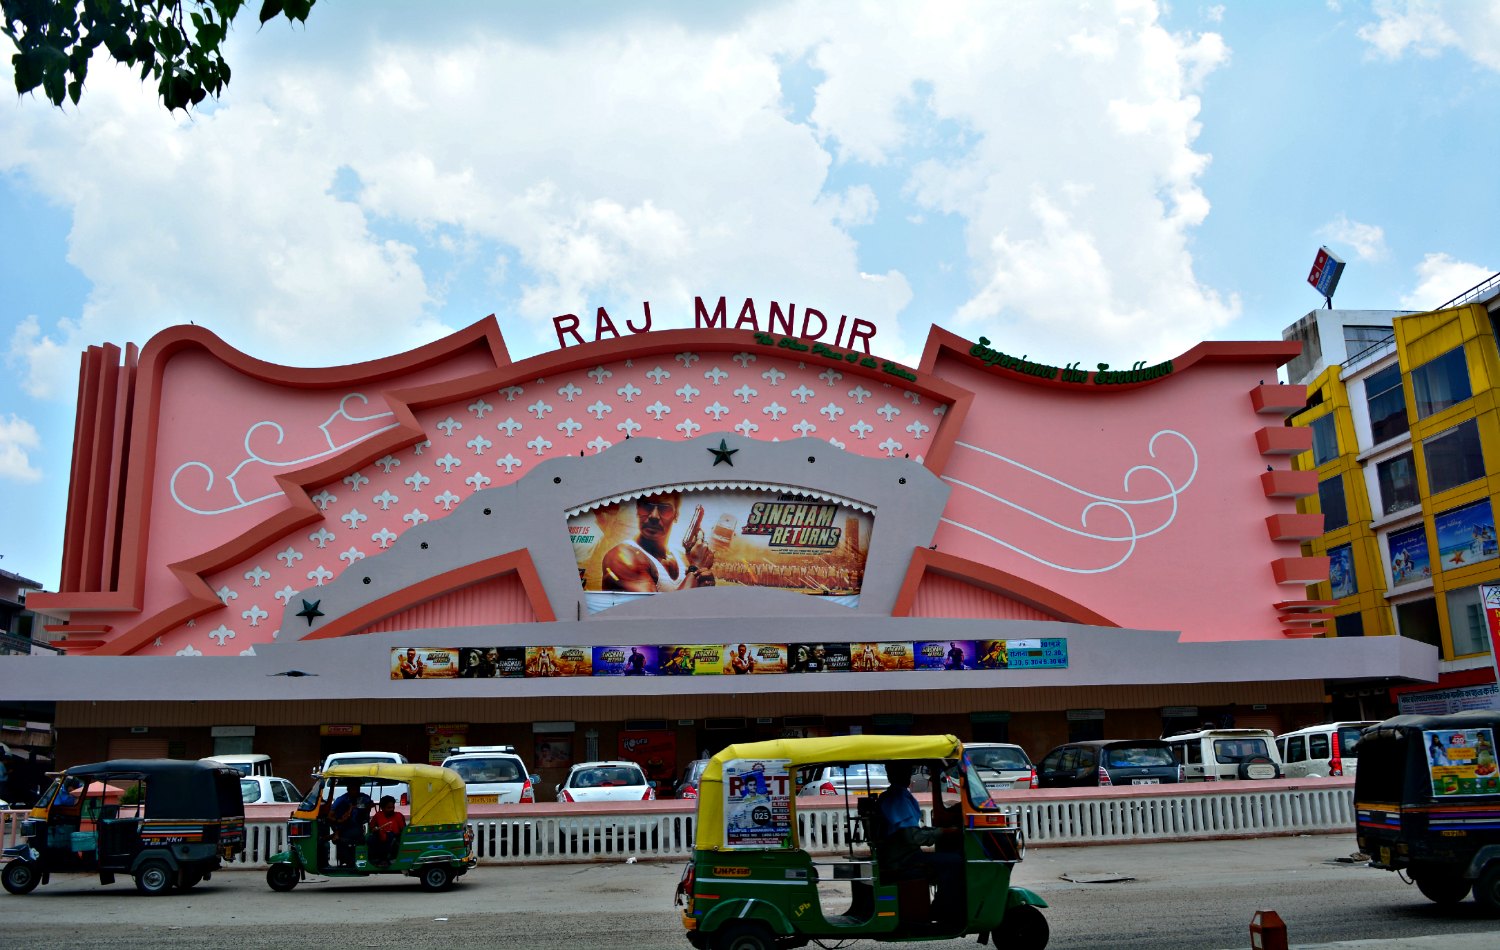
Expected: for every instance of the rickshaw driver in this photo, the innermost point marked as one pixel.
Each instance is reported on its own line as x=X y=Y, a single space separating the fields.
x=902 y=851
x=350 y=814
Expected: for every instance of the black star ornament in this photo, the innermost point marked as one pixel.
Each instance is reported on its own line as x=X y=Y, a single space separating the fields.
x=310 y=611
x=723 y=453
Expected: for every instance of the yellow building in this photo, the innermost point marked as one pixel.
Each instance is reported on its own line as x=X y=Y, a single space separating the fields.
x=1406 y=446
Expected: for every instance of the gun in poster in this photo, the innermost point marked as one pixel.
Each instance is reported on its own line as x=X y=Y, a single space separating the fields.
x=693 y=539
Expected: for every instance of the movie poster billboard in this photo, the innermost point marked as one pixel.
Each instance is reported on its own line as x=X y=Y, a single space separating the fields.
x=946 y=655
x=880 y=657
x=424 y=663
x=693 y=659
x=554 y=752
x=1409 y=560
x=818 y=658
x=1466 y=535
x=757 y=803
x=548 y=660
x=1461 y=761
x=755 y=658
x=442 y=738
x=639 y=660
x=721 y=537
x=1341 y=577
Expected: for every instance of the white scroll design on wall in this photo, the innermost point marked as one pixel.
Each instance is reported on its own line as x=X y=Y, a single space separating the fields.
x=1139 y=517
x=253 y=457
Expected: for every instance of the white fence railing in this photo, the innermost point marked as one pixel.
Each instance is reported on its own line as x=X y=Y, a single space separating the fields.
x=664 y=830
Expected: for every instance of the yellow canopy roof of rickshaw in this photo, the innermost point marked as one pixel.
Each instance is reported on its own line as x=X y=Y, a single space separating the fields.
x=709 y=833
x=438 y=796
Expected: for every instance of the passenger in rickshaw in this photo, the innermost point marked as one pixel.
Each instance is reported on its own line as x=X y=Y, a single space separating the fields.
x=386 y=826
x=900 y=848
x=350 y=814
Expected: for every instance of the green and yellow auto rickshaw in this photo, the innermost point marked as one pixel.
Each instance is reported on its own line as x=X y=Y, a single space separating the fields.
x=753 y=885
x=436 y=846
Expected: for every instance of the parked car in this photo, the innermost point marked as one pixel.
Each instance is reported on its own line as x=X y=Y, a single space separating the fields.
x=1329 y=750
x=246 y=763
x=493 y=774
x=1216 y=755
x=375 y=788
x=688 y=787
x=1002 y=766
x=857 y=778
x=1106 y=762
x=268 y=790
x=611 y=781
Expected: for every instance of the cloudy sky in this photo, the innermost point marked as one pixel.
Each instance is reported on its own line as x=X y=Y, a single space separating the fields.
x=1100 y=182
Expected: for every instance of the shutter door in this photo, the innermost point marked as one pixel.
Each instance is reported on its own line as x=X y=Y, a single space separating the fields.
x=136 y=748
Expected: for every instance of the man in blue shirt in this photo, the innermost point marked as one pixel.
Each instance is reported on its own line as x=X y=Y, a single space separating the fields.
x=901 y=850
x=350 y=814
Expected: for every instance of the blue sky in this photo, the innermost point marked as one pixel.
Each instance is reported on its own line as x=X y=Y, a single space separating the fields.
x=1101 y=182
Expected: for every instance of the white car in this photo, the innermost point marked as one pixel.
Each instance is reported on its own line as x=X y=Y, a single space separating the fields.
x=493 y=774
x=268 y=790
x=615 y=781
x=1002 y=766
x=399 y=790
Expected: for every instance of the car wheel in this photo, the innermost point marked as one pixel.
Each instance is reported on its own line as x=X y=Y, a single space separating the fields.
x=154 y=878
x=1487 y=890
x=1445 y=889
x=20 y=877
x=1258 y=763
x=435 y=877
x=1024 y=927
x=281 y=877
x=744 y=935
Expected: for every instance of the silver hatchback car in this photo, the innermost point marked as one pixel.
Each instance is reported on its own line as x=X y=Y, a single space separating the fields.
x=1002 y=766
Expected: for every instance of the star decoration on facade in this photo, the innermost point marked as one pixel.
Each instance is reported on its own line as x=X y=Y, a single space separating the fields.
x=723 y=453
x=310 y=611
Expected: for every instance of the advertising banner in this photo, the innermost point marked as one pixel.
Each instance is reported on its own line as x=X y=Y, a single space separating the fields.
x=881 y=657
x=946 y=655
x=757 y=803
x=1341 y=572
x=676 y=541
x=1409 y=560
x=543 y=661
x=554 y=752
x=1462 y=762
x=639 y=660
x=1466 y=535
x=1489 y=596
x=1441 y=702
x=693 y=659
x=655 y=751
x=1050 y=653
x=819 y=658
x=424 y=663
x=756 y=658
x=443 y=737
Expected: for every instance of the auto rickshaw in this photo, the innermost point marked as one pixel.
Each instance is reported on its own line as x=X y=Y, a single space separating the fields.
x=1427 y=802
x=752 y=885
x=436 y=846
x=167 y=823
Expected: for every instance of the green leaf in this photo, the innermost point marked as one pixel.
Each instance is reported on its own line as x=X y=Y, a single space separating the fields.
x=270 y=10
x=55 y=84
x=75 y=89
x=28 y=66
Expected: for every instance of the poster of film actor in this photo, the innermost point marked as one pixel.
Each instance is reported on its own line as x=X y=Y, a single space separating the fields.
x=725 y=659
x=682 y=540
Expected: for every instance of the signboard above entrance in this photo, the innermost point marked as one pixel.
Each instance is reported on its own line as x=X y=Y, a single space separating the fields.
x=813 y=324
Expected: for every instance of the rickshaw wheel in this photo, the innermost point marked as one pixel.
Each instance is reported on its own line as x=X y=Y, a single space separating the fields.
x=281 y=877
x=1445 y=889
x=20 y=877
x=744 y=935
x=154 y=878
x=435 y=877
x=1024 y=927
x=1487 y=890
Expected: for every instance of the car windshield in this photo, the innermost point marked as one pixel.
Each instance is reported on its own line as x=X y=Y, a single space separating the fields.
x=363 y=760
x=1137 y=756
x=999 y=759
x=859 y=773
x=488 y=770
x=1349 y=741
x=1238 y=750
x=249 y=790
x=608 y=777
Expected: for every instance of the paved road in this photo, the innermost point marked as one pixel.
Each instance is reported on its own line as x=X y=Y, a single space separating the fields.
x=1190 y=896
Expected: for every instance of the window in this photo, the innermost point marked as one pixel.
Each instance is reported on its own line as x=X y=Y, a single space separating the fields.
x=1325 y=439
x=1441 y=383
x=1349 y=625
x=1419 y=621
x=1296 y=749
x=1466 y=621
x=1080 y=730
x=1357 y=339
x=1317 y=746
x=1341 y=577
x=1453 y=457
x=1331 y=501
x=1398 y=483
x=1387 y=404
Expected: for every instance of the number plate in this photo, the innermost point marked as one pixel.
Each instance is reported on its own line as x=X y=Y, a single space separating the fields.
x=484 y=799
x=1145 y=781
x=1385 y=855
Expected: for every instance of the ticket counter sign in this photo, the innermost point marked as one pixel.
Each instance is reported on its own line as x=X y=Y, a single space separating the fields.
x=1461 y=762
x=757 y=803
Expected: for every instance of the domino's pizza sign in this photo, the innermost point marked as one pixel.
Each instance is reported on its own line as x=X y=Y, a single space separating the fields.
x=1325 y=273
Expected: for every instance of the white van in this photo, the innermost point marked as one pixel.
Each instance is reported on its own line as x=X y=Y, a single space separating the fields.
x=248 y=763
x=399 y=790
x=1216 y=755
x=1328 y=750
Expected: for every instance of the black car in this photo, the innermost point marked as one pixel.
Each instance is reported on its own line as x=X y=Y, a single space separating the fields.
x=688 y=787
x=1108 y=762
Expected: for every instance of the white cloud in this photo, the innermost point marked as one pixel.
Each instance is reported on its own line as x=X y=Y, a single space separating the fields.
x=1427 y=29
x=1367 y=240
x=50 y=369
x=17 y=439
x=1440 y=278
